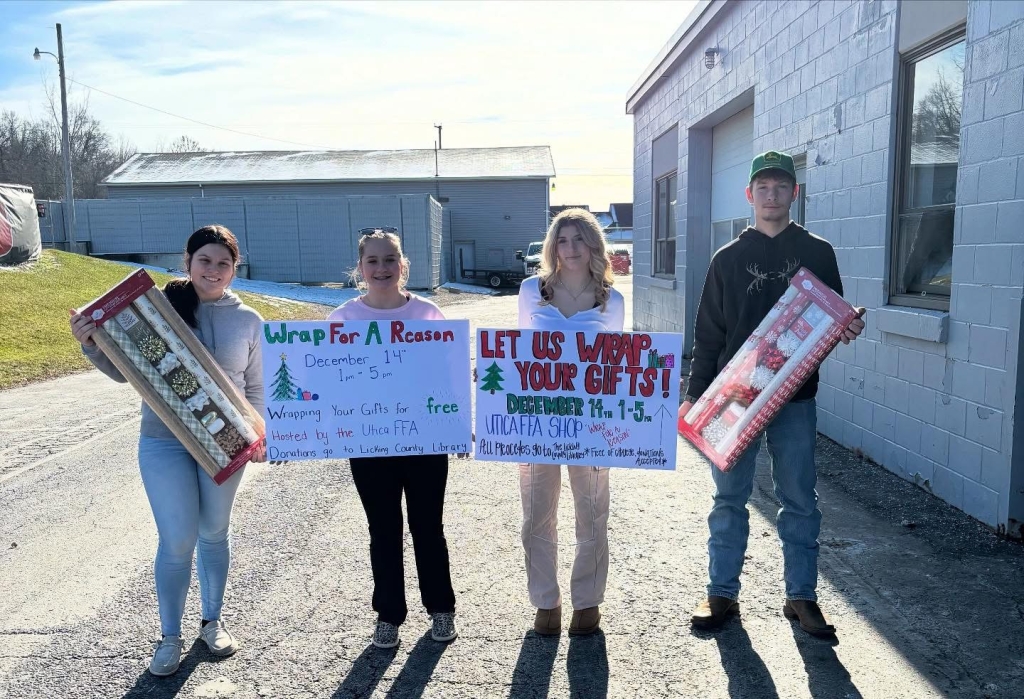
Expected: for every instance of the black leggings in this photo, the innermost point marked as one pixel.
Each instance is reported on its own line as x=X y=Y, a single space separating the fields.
x=380 y=482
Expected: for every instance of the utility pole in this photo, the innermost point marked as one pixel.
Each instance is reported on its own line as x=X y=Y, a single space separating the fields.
x=69 y=187
x=438 y=127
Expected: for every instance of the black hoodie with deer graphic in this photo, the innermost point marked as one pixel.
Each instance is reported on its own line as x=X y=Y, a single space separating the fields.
x=746 y=278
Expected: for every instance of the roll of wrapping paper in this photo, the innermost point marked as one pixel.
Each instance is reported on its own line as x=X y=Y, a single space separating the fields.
x=171 y=317
x=822 y=336
x=156 y=321
x=155 y=401
x=121 y=297
x=159 y=383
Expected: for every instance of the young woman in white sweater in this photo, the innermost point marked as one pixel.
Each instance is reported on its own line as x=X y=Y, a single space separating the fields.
x=573 y=291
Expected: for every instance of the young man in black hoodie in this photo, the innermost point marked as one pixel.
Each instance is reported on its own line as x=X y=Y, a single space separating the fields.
x=747 y=277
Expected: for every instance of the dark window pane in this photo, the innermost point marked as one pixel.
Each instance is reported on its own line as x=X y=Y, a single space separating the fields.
x=926 y=249
x=929 y=150
x=664 y=226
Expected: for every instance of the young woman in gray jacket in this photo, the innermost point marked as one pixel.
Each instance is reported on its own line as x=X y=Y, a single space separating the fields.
x=190 y=510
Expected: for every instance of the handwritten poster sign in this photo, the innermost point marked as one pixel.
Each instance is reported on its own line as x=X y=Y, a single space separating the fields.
x=342 y=389
x=577 y=398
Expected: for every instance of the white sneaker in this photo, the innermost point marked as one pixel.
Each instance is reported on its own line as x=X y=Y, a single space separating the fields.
x=218 y=639
x=443 y=628
x=167 y=657
x=385 y=635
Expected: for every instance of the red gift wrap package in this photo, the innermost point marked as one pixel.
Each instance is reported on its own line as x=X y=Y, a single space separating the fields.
x=787 y=347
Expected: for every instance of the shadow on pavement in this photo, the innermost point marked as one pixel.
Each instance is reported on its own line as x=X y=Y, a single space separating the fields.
x=935 y=583
x=418 y=669
x=587 y=666
x=826 y=674
x=748 y=675
x=531 y=678
x=366 y=672
x=152 y=687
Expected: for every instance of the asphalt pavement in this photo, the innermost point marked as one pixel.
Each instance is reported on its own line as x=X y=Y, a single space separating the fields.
x=927 y=601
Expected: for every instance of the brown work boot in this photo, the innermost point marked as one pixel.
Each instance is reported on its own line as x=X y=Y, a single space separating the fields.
x=548 y=622
x=585 y=621
x=811 y=618
x=712 y=612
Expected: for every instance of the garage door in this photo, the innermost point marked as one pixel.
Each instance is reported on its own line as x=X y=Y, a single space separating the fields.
x=731 y=151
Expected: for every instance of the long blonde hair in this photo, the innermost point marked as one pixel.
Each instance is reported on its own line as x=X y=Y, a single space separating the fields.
x=593 y=236
x=378 y=234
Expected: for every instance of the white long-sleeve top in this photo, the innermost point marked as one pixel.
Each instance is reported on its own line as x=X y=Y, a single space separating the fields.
x=536 y=315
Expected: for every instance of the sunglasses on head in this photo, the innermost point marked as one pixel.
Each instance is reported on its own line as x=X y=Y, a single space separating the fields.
x=379 y=229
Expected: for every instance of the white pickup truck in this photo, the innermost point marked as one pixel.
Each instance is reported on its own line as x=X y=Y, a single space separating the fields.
x=531 y=260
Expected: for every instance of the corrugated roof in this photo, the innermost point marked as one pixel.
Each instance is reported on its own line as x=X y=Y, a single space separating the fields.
x=338 y=165
x=940 y=151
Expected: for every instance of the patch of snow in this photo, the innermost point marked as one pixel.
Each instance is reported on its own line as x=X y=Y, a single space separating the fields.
x=470 y=289
x=323 y=295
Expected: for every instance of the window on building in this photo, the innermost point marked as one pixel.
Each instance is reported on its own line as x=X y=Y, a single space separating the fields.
x=665 y=226
x=799 y=210
x=928 y=138
x=724 y=231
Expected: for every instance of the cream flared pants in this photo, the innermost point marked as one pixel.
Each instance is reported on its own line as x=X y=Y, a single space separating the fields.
x=540 y=485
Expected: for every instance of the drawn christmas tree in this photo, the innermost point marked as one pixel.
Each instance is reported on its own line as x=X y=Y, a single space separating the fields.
x=493 y=379
x=283 y=386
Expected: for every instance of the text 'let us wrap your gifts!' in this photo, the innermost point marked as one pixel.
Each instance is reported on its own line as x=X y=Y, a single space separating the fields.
x=787 y=347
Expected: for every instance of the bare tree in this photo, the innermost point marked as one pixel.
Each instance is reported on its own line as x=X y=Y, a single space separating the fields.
x=30 y=150
x=938 y=113
x=184 y=144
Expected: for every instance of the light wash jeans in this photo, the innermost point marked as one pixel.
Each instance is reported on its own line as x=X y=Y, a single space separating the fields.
x=790 y=439
x=189 y=508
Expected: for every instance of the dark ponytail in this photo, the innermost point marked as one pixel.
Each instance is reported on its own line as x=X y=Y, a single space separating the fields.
x=180 y=292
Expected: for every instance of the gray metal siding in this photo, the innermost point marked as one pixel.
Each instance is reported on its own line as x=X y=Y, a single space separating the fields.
x=224 y=211
x=323 y=235
x=274 y=248
x=500 y=216
x=284 y=239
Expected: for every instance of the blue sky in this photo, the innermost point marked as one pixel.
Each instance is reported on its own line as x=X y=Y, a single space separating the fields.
x=355 y=75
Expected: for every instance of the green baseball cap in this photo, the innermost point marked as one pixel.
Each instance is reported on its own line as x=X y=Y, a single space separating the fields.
x=772 y=160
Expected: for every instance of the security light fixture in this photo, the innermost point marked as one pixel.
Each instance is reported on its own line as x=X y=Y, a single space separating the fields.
x=711 y=57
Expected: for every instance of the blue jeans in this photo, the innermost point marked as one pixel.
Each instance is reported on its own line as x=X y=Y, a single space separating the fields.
x=790 y=439
x=189 y=508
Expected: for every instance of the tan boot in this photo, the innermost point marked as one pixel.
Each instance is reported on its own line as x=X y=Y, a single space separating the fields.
x=713 y=611
x=585 y=621
x=548 y=622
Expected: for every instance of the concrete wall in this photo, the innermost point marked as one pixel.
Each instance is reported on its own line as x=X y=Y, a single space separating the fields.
x=928 y=394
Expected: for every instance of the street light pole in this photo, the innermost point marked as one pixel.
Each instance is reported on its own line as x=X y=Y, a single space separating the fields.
x=65 y=143
x=69 y=187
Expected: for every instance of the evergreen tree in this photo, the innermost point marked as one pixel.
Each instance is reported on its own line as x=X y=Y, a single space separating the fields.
x=283 y=386
x=493 y=379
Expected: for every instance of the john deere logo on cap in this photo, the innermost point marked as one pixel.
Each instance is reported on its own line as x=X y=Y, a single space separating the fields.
x=772 y=157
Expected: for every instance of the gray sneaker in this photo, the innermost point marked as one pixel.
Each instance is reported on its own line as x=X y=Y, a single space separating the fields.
x=385 y=635
x=443 y=629
x=167 y=657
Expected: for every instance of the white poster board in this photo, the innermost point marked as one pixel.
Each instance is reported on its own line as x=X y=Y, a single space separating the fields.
x=343 y=389
x=577 y=398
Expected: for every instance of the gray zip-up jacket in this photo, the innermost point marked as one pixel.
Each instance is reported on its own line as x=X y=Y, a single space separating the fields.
x=230 y=330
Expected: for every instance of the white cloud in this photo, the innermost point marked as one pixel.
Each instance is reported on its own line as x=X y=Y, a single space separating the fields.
x=367 y=75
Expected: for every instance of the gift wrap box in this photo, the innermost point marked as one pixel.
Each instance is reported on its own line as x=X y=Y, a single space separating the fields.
x=149 y=343
x=787 y=347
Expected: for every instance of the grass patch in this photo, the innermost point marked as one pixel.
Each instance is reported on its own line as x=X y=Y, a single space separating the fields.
x=35 y=339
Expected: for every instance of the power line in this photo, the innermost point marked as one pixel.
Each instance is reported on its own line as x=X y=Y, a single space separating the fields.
x=196 y=121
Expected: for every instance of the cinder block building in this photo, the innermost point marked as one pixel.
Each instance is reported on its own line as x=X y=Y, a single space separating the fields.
x=906 y=122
